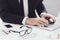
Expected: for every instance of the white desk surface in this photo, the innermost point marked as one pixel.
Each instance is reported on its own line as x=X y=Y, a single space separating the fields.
x=37 y=34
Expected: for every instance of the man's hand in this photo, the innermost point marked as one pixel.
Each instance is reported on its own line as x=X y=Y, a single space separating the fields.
x=36 y=21
x=48 y=16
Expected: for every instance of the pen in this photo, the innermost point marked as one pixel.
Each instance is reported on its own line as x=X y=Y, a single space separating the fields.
x=37 y=14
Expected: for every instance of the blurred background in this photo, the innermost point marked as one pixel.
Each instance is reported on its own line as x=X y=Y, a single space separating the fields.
x=52 y=6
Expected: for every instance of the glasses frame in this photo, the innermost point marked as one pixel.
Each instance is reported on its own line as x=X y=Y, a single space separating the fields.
x=26 y=31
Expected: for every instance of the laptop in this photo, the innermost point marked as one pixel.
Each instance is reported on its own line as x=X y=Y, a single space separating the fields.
x=54 y=26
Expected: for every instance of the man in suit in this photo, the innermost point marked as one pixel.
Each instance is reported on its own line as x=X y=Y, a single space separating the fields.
x=13 y=11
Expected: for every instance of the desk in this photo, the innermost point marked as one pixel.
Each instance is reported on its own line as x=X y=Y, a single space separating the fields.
x=37 y=34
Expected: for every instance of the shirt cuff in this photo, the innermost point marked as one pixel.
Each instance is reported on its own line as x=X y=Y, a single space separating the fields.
x=24 y=20
x=43 y=13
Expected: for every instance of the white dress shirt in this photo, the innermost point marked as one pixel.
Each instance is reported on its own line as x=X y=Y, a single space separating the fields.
x=25 y=5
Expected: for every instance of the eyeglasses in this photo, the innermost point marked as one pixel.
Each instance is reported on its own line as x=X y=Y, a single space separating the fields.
x=23 y=32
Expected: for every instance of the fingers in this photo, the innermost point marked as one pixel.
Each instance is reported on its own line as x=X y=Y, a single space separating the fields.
x=38 y=24
x=35 y=23
x=43 y=21
x=53 y=18
x=49 y=16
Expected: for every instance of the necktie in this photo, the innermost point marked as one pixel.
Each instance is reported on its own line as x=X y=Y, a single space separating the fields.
x=21 y=7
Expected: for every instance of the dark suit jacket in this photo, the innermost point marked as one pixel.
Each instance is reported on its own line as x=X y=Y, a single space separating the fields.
x=9 y=10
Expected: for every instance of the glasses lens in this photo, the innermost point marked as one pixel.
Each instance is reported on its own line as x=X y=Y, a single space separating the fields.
x=22 y=33
x=29 y=31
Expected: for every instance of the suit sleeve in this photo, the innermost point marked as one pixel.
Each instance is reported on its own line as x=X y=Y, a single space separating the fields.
x=7 y=16
x=40 y=7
